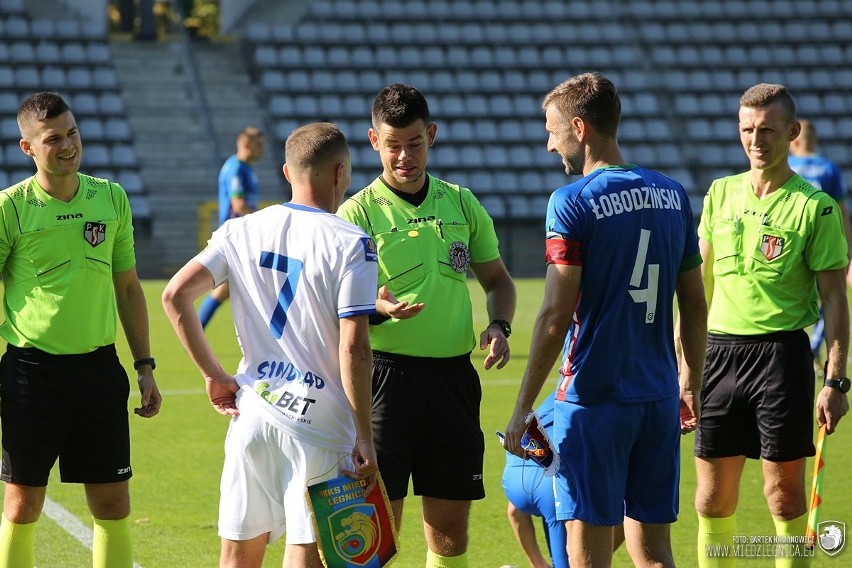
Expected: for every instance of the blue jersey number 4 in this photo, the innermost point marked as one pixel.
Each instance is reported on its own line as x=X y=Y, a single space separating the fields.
x=293 y=268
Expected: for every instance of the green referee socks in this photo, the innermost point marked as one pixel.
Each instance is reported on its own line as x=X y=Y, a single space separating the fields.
x=17 y=544
x=715 y=542
x=435 y=561
x=794 y=530
x=111 y=547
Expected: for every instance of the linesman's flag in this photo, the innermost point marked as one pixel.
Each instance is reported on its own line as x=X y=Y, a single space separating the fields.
x=816 y=489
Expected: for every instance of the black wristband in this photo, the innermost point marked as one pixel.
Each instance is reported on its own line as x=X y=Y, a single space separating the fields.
x=377 y=318
x=146 y=361
x=504 y=325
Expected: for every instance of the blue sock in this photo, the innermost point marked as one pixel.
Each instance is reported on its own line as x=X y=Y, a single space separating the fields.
x=207 y=309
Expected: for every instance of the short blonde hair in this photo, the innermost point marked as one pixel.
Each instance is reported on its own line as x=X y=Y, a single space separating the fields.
x=315 y=144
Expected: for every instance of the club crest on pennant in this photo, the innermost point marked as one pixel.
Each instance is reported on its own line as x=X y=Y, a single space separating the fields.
x=831 y=536
x=459 y=257
x=94 y=233
x=356 y=533
x=771 y=246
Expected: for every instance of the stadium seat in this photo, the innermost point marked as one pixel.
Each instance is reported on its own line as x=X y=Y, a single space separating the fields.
x=258 y=32
x=283 y=33
x=140 y=208
x=298 y=80
x=68 y=29
x=98 y=54
x=74 y=53
x=14 y=157
x=22 y=53
x=27 y=78
x=16 y=28
x=53 y=78
x=272 y=81
x=131 y=181
x=91 y=130
x=482 y=181
x=81 y=78
x=280 y=106
x=313 y=56
x=111 y=104
x=124 y=156
x=495 y=205
x=12 y=6
x=96 y=156
x=9 y=131
x=105 y=78
x=9 y=103
x=289 y=56
x=117 y=129
x=323 y=80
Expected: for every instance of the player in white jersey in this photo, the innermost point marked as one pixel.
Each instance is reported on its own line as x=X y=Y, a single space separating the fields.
x=303 y=283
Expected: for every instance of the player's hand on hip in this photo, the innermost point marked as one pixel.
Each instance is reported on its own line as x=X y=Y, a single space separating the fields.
x=388 y=305
x=222 y=392
x=151 y=397
x=497 y=345
x=831 y=406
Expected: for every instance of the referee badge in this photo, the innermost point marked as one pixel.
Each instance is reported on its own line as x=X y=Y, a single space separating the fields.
x=771 y=246
x=459 y=257
x=94 y=233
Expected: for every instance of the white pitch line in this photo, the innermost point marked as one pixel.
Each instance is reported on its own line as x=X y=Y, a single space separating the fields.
x=70 y=524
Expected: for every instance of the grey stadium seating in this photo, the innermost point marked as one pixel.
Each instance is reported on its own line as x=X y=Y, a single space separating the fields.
x=484 y=65
x=39 y=54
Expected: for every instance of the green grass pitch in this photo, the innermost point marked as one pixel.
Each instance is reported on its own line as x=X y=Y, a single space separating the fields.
x=177 y=459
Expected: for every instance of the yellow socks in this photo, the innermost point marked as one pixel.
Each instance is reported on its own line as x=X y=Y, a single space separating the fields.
x=17 y=544
x=435 y=561
x=794 y=529
x=111 y=546
x=715 y=542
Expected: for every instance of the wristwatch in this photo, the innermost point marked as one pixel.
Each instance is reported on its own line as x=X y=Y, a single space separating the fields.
x=146 y=361
x=841 y=383
x=504 y=325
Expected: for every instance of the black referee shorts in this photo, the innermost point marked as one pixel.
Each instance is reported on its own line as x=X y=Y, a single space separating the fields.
x=758 y=397
x=70 y=407
x=426 y=426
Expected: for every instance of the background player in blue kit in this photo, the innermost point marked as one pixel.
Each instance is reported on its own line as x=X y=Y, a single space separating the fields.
x=530 y=494
x=621 y=242
x=238 y=195
x=823 y=174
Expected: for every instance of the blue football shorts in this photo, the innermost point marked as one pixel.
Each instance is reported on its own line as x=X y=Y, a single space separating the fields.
x=617 y=460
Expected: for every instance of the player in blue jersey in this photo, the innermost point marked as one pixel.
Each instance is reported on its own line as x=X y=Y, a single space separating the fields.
x=621 y=242
x=823 y=174
x=238 y=195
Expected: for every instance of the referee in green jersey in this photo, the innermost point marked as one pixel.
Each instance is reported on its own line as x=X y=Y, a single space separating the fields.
x=68 y=262
x=773 y=246
x=426 y=392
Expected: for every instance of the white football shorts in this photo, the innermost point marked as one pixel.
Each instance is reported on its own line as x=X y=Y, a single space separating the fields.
x=264 y=479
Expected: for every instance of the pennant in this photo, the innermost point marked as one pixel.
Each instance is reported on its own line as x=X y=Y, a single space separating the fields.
x=353 y=530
